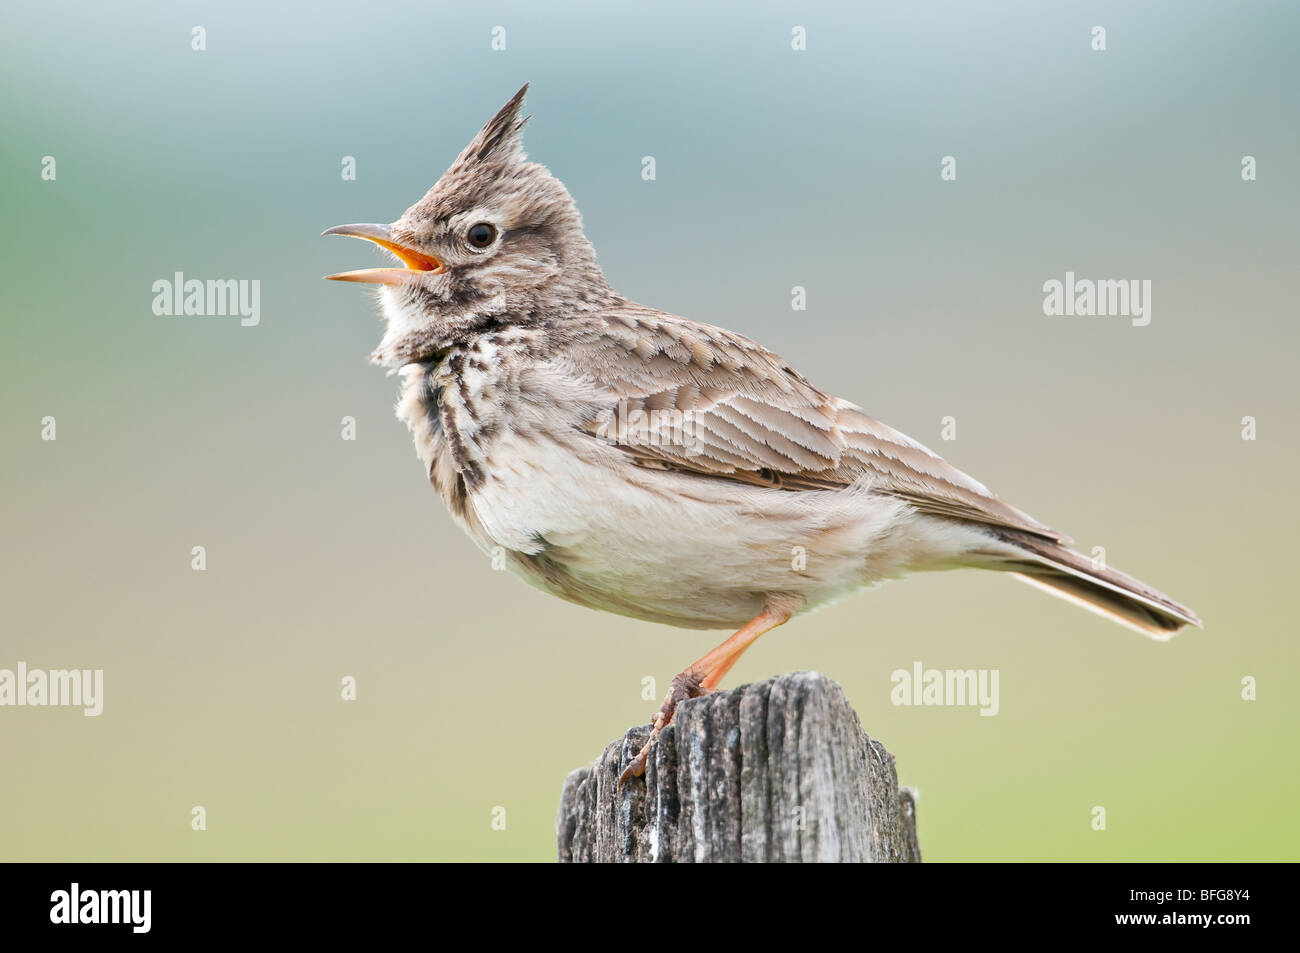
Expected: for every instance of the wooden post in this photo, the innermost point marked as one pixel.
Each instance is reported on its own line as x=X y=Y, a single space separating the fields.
x=776 y=771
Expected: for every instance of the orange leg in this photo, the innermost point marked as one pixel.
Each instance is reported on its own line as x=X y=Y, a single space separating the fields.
x=704 y=675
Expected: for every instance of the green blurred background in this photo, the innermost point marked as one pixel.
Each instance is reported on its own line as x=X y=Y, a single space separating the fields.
x=775 y=168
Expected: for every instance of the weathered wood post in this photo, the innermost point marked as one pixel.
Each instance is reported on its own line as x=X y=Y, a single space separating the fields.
x=776 y=771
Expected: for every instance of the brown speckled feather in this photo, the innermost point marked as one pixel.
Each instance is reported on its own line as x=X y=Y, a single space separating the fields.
x=753 y=418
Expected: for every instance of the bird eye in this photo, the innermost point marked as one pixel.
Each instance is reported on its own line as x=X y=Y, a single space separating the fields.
x=481 y=235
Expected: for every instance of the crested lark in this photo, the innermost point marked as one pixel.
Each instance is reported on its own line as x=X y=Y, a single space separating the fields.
x=642 y=463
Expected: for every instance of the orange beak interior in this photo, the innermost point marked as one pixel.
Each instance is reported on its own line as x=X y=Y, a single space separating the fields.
x=415 y=261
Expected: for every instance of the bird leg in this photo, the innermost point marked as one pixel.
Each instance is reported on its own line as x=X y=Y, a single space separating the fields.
x=704 y=675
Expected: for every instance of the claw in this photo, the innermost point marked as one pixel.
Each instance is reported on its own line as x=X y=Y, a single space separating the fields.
x=703 y=677
x=684 y=686
x=635 y=767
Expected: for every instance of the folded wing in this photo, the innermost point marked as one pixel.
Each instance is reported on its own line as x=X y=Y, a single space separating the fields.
x=699 y=399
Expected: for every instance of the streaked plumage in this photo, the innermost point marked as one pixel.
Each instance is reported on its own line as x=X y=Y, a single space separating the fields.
x=650 y=465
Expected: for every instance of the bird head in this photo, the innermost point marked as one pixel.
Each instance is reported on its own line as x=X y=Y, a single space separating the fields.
x=497 y=237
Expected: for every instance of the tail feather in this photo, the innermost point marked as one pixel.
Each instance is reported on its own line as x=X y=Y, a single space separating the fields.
x=1105 y=591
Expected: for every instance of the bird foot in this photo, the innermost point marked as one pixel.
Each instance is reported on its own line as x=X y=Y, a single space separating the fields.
x=684 y=686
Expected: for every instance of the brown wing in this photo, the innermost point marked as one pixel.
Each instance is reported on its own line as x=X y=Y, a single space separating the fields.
x=699 y=399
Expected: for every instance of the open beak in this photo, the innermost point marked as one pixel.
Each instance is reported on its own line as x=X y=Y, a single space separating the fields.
x=414 y=261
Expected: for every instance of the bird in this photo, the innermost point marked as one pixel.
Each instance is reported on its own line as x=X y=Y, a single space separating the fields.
x=641 y=463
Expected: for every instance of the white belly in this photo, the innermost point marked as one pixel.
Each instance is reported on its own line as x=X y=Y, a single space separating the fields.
x=693 y=551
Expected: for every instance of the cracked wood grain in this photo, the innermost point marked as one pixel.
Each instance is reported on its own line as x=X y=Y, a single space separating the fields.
x=775 y=771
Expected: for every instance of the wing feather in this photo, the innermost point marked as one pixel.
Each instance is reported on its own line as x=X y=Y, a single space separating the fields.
x=715 y=404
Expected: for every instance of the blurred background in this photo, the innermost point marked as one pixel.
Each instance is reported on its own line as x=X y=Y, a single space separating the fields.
x=820 y=168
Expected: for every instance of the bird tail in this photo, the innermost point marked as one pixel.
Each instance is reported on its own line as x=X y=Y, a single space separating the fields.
x=1108 y=592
